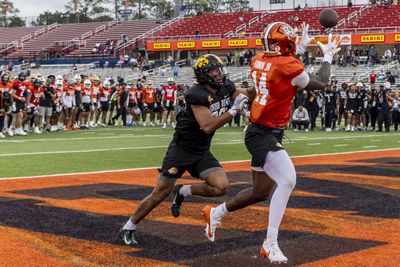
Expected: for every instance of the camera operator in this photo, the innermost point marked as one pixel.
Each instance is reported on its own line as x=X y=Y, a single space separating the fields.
x=46 y=102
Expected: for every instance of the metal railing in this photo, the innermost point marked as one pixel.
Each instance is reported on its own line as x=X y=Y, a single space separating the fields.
x=184 y=37
x=157 y=71
x=350 y=17
x=365 y=75
x=368 y=30
x=146 y=34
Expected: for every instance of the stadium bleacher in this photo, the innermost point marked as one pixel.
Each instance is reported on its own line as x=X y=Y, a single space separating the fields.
x=206 y=24
x=129 y=28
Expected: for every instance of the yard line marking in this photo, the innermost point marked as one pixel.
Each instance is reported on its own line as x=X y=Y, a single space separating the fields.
x=375 y=140
x=313 y=144
x=149 y=168
x=98 y=150
x=339 y=145
x=369 y=146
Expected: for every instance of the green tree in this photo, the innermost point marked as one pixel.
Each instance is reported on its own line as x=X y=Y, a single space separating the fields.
x=16 y=21
x=9 y=15
x=88 y=10
x=47 y=18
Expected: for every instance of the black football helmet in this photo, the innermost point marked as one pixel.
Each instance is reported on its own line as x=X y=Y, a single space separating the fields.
x=202 y=69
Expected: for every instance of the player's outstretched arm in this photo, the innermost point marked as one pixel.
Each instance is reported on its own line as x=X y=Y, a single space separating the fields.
x=209 y=123
x=321 y=80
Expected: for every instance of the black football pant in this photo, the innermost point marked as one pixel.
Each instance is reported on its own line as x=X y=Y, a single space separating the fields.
x=121 y=112
x=374 y=115
x=329 y=115
x=384 y=118
x=395 y=119
x=313 y=118
x=2 y=122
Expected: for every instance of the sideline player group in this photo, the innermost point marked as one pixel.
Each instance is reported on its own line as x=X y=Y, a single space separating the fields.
x=32 y=103
x=277 y=75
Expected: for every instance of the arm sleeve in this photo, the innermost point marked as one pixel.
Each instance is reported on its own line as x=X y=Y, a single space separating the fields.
x=301 y=81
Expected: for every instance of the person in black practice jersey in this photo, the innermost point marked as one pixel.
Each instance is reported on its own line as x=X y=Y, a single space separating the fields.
x=207 y=109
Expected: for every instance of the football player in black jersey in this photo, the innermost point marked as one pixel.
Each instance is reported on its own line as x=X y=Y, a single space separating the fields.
x=208 y=107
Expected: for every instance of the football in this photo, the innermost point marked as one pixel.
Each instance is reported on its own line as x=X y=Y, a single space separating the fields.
x=328 y=18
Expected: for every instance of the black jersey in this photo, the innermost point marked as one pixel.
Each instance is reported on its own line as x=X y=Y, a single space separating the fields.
x=188 y=134
x=330 y=99
x=352 y=100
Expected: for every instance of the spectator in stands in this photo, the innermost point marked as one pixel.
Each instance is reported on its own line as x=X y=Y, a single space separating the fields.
x=373 y=54
x=298 y=7
x=197 y=33
x=372 y=79
x=381 y=76
x=396 y=72
x=354 y=79
x=175 y=70
x=241 y=57
x=248 y=55
x=124 y=38
x=388 y=56
x=391 y=78
x=300 y=119
x=229 y=59
x=349 y=4
x=373 y=3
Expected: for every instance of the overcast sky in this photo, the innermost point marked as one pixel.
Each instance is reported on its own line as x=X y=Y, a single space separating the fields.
x=35 y=7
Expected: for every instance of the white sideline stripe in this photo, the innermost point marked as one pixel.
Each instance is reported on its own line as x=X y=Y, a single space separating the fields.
x=338 y=145
x=99 y=150
x=346 y=138
x=84 y=138
x=313 y=144
x=150 y=168
x=369 y=146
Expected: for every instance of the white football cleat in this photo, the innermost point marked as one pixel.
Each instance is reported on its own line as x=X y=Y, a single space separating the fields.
x=10 y=132
x=273 y=253
x=212 y=223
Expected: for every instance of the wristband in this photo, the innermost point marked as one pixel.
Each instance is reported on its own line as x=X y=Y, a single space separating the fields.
x=233 y=112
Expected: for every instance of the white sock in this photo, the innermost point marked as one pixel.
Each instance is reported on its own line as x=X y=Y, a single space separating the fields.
x=129 y=225
x=186 y=190
x=220 y=211
x=280 y=169
x=272 y=235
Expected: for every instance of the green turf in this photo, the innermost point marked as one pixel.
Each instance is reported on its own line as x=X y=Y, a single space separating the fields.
x=121 y=148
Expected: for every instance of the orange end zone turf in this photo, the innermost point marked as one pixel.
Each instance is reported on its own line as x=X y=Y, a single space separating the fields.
x=345 y=211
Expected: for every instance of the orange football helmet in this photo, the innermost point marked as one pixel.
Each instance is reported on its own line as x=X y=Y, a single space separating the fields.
x=279 y=37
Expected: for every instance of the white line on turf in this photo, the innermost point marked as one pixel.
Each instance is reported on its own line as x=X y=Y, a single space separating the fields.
x=369 y=146
x=233 y=161
x=313 y=144
x=339 y=145
x=98 y=150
